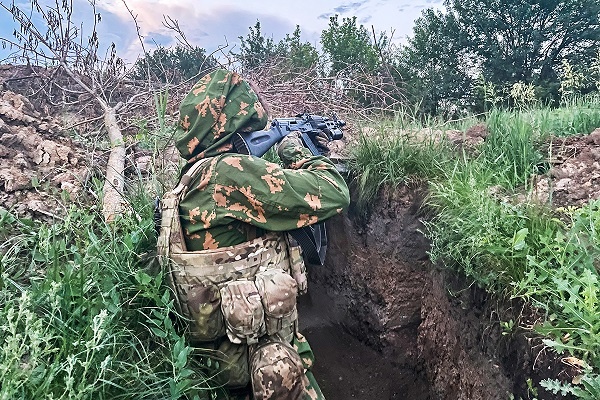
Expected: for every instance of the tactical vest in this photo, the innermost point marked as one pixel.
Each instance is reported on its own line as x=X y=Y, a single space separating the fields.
x=244 y=291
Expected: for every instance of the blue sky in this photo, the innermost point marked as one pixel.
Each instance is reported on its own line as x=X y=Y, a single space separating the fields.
x=214 y=23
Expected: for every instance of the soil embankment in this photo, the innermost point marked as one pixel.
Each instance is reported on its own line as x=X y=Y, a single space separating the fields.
x=429 y=334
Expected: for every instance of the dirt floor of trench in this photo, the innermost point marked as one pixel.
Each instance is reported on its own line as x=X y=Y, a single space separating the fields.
x=346 y=368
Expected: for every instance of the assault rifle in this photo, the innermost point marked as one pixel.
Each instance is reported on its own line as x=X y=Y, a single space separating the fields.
x=258 y=143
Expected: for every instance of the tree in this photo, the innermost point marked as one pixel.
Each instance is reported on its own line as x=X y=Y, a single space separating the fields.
x=526 y=40
x=255 y=48
x=349 y=46
x=174 y=64
x=434 y=64
x=290 y=52
x=504 y=42
x=300 y=56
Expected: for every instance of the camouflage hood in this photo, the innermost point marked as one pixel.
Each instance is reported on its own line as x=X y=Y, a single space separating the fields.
x=219 y=104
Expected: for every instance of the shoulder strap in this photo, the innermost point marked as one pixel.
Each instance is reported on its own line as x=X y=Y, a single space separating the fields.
x=169 y=210
x=188 y=176
x=313 y=240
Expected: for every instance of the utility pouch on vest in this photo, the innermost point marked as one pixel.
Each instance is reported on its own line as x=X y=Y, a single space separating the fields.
x=277 y=372
x=243 y=311
x=234 y=370
x=277 y=291
x=203 y=307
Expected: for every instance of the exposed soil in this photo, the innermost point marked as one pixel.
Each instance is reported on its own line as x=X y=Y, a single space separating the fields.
x=36 y=162
x=430 y=335
x=574 y=177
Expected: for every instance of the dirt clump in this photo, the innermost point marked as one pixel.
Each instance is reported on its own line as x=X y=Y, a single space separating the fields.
x=574 y=176
x=37 y=163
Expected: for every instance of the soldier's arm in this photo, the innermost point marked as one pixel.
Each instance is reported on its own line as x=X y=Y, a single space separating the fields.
x=308 y=189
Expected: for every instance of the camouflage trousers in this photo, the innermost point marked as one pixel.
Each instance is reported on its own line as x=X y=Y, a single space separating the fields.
x=307 y=387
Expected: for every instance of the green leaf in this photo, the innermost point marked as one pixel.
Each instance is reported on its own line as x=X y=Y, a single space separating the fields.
x=158 y=332
x=518 y=241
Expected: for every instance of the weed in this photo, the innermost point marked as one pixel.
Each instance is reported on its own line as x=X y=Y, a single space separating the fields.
x=389 y=156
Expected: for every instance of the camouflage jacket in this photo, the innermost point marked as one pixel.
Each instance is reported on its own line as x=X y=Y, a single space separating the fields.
x=234 y=198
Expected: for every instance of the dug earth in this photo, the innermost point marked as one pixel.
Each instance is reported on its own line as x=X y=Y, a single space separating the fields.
x=435 y=334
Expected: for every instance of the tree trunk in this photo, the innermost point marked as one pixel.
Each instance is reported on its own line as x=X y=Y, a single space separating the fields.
x=113 y=202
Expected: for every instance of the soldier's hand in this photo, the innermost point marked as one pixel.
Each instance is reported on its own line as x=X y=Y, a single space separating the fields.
x=322 y=142
x=290 y=141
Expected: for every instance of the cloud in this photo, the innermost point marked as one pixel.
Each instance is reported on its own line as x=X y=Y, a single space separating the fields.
x=207 y=27
x=344 y=8
x=213 y=23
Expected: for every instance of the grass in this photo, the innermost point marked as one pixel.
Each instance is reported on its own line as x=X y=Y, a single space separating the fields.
x=485 y=227
x=392 y=156
x=84 y=315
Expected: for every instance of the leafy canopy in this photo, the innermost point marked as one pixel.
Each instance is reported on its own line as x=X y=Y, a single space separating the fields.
x=349 y=45
x=501 y=42
x=257 y=49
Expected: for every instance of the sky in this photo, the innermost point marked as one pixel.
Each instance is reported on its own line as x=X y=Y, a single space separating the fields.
x=213 y=24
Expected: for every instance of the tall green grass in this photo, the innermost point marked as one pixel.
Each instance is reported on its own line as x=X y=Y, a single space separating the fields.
x=391 y=156
x=511 y=149
x=480 y=229
x=84 y=314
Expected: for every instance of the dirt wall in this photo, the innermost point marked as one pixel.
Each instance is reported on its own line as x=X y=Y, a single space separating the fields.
x=431 y=322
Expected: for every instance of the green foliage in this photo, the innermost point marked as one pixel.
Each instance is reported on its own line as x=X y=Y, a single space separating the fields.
x=505 y=43
x=392 y=156
x=292 y=54
x=563 y=280
x=581 y=115
x=510 y=149
x=508 y=245
x=486 y=237
x=84 y=314
x=434 y=65
x=255 y=48
x=527 y=40
x=298 y=55
x=588 y=389
x=173 y=64
x=349 y=47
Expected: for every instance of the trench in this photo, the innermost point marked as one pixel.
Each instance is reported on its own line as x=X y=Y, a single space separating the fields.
x=384 y=323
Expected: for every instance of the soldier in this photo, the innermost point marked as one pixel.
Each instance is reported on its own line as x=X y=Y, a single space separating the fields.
x=234 y=269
